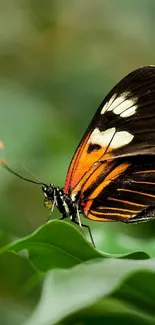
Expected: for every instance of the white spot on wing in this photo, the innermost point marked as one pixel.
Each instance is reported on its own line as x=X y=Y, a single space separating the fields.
x=121 y=139
x=102 y=137
x=110 y=136
x=129 y=112
x=108 y=104
x=121 y=105
x=117 y=102
x=125 y=106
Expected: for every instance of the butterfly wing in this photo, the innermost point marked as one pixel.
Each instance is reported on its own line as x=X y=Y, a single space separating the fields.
x=124 y=192
x=122 y=128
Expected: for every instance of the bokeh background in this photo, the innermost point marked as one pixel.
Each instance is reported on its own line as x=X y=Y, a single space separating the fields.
x=58 y=59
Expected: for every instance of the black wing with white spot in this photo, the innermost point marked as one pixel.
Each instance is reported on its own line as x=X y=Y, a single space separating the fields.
x=123 y=127
x=125 y=120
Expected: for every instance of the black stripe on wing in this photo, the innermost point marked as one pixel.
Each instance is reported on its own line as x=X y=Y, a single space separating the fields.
x=132 y=192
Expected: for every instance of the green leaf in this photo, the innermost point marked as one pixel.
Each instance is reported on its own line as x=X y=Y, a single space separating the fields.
x=19 y=288
x=68 y=292
x=109 y=311
x=17 y=276
x=58 y=244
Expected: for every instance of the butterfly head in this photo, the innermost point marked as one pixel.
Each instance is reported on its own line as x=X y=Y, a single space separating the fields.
x=49 y=194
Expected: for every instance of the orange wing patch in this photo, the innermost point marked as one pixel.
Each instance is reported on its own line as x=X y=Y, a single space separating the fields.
x=110 y=216
x=96 y=145
x=93 y=217
x=74 y=165
x=105 y=213
x=83 y=162
x=88 y=157
x=116 y=172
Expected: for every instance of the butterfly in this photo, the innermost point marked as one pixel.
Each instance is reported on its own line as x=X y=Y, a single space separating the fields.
x=111 y=176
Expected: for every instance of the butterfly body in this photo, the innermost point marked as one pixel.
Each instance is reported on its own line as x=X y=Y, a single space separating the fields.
x=54 y=196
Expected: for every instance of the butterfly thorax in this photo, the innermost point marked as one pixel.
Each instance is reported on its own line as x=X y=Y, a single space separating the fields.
x=54 y=196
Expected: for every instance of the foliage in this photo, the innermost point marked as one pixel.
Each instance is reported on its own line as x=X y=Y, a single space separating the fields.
x=80 y=282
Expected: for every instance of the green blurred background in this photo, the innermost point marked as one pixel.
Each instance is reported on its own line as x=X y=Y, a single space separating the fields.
x=58 y=59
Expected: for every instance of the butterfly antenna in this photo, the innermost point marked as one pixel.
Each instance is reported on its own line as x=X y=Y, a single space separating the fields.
x=32 y=174
x=4 y=164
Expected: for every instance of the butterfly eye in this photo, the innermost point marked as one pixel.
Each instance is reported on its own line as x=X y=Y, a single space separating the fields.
x=48 y=191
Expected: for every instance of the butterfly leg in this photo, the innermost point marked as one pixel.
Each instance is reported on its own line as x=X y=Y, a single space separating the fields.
x=73 y=219
x=90 y=234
